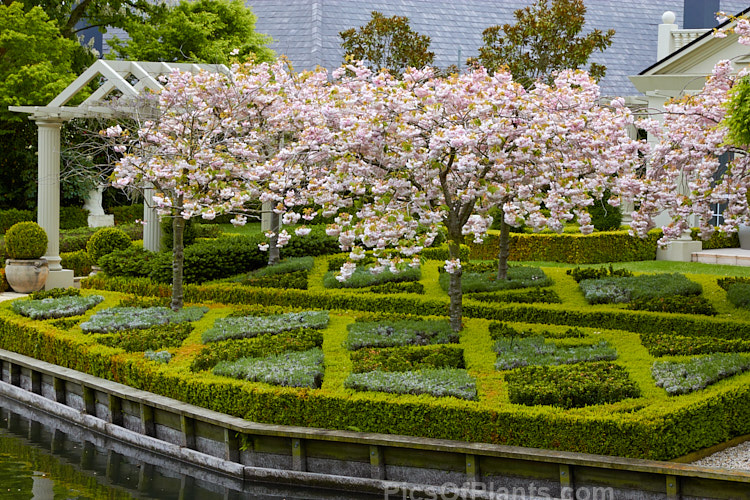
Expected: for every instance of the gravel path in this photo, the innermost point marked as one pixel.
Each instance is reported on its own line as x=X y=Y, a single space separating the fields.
x=737 y=457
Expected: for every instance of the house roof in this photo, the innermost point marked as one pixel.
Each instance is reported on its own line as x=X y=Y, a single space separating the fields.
x=307 y=30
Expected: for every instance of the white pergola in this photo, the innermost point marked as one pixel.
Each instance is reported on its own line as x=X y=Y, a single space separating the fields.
x=128 y=79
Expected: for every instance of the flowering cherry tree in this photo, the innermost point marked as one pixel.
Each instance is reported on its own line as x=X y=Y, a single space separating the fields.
x=210 y=149
x=684 y=176
x=420 y=154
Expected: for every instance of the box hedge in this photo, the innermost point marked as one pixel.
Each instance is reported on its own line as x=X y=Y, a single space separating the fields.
x=595 y=248
x=553 y=314
x=658 y=433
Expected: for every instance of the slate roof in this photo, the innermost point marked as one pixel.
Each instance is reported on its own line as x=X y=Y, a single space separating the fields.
x=307 y=30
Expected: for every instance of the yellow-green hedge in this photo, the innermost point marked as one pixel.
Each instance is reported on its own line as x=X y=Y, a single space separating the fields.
x=656 y=432
x=595 y=248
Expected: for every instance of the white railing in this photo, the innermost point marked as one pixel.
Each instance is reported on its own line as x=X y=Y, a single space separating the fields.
x=680 y=38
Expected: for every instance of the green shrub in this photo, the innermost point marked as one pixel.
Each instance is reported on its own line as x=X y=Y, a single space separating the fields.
x=151 y=338
x=261 y=346
x=517 y=352
x=486 y=281
x=596 y=248
x=66 y=323
x=126 y=214
x=13 y=216
x=167 y=233
x=399 y=333
x=407 y=358
x=252 y=326
x=213 y=259
x=144 y=302
x=399 y=287
x=25 y=240
x=72 y=240
x=206 y=230
x=61 y=307
x=717 y=240
x=289 y=273
x=682 y=377
x=133 y=261
x=73 y=217
x=55 y=293
x=671 y=344
x=739 y=295
x=362 y=278
x=725 y=283
x=589 y=273
x=605 y=217
x=500 y=330
x=523 y=297
x=291 y=369
x=441 y=253
x=105 y=241
x=80 y=262
x=674 y=304
x=314 y=244
x=645 y=286
x=570 y=386
x=134 y=318
x=441 y=382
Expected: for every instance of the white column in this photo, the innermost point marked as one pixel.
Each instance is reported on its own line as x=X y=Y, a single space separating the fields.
x=665 y=45
x=48 y=193
x=152 y=226
x=48 y=199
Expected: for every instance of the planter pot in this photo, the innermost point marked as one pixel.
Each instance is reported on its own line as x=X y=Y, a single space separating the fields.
x=26 y=276
x=743 y=233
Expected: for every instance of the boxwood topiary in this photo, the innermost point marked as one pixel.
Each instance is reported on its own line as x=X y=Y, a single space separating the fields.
x=105 y=241
x=25 y=240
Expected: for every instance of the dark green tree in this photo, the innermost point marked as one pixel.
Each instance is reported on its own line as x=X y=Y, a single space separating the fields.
x=387 y=42
x=194 y=31
x=545 y=38
x=35 y=65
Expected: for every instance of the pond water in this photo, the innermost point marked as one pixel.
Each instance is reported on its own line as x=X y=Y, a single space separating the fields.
x=43 y=458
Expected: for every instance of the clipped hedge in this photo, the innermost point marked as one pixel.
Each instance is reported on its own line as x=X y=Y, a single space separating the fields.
x=660 y=434
x=595 y=248
x=79 y=261
x=73 y=217
x=571 y=386
x=552 y=314
x=126 y=214
x=13 y=216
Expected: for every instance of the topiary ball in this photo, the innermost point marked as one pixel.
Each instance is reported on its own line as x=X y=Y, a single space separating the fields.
x=25 y=240
x=105 y=241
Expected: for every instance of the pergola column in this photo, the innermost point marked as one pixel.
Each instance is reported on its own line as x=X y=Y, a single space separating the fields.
x=152 y=226
x=48 y=199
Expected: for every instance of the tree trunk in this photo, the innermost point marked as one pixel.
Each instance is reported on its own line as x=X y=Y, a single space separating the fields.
x=454 y=289
x=178 y=259
x=502 y=257
x=273 y=247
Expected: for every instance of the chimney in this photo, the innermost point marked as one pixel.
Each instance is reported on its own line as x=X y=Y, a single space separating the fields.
x=700 y=14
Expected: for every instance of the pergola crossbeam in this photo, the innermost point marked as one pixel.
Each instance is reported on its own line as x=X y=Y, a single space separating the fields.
x=49 y=119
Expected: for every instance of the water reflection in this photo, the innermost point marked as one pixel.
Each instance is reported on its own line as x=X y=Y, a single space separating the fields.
x=43 y=458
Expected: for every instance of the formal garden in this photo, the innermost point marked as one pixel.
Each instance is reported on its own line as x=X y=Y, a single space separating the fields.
x=436 y=261
x=641 y=359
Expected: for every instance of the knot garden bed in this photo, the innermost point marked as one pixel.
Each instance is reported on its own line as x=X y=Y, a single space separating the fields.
x=574 y=377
